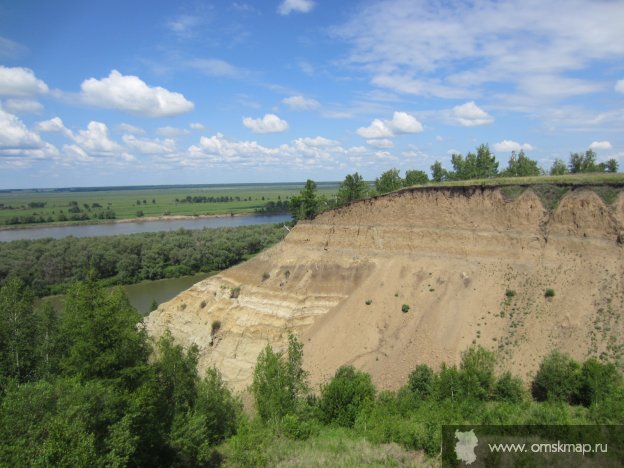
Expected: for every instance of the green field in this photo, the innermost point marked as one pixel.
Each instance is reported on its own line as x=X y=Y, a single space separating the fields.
x=126 y=202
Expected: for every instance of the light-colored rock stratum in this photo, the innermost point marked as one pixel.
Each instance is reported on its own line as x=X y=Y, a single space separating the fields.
x=472 y=266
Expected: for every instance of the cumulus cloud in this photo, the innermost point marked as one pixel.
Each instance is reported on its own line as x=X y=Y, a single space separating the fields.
x=171 y=131
x=130 y=129
x=381 y=143
x=23 y=106
x=401 y=123
x=95 y=140
x=131 y=94
x=19 y=146
x=601 y=145
x=147 y=146
x=197 y=126
x=270 y=123
x=14 y=134
x=299 y=6
x=53 y=125
x=301 y=103
x=619 y=86
x=18 y=81
x=510 y=145
x=470 y=115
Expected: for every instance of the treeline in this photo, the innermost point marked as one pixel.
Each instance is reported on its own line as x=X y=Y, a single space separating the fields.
x=203 y=199
x=50 y=265
x=74 y=213
x=481 y=164
x=279 y=206
x=87 y=388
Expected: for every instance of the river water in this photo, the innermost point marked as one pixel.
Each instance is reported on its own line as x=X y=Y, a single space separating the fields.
x=142 y=294
x=114 y=229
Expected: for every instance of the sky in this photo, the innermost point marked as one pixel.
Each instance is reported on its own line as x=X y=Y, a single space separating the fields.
x=108 y=92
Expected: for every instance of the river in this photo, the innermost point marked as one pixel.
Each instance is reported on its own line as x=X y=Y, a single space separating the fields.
x=114 y=229
x=142 y=294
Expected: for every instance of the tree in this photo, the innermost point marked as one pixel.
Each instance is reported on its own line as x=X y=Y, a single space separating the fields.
x=99 y=334
x=421 y=381
x=481 y=165
x=558 y=378
x=352 y=188
x=414 y=177
x=389 y=181
x=509 y=388
x=279 y=381
x=598 y=382
x=520 y=165
x=438 y=173
x=345 y=395
x=307 y=204
x=581 y=163
x=611 y=165
x=477 y=373
x=558 y=168
x=18 y=333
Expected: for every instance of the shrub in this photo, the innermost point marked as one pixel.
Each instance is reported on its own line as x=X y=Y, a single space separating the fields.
x=202 y=304
x=369 y=301
x=345 y=395
x=216 y=326
x=421 y=381
x=477 y=373
x=510 y=293
x=557 y=378
x=550 y=292
x=296 y=428
x=265 y=276
x=405 y=308
x=509 y=388
x=235 y=292
x=279 y=381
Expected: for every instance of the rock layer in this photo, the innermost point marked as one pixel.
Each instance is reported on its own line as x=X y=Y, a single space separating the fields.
x=472 y=266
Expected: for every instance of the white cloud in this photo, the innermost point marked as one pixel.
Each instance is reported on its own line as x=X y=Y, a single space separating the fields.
x=197 y=126
x=301 y=103
x=507 y=146
x=18 y=81
x=270 y=123
x=300 y=6
x=19 y=146
x=183 y=25
x=147 y=146
x=130 y=129
x=381 y=143
x=619 y=86
x=601 y=145
x=10 y=49
x=15 y=135
x=217 y=67
x=95 y=141
x=53 y=125
x=171 y=131
x=456 y=48
x=401 y=123
x=385 y=155
x=23 y=106
x=131 y=94
x=470 y=115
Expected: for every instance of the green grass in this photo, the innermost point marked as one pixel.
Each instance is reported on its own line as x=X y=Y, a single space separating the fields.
x=331 y=447
x=123 y=201
x=568 y=179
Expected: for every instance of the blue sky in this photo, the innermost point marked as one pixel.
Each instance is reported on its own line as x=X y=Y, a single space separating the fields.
x=154 y=92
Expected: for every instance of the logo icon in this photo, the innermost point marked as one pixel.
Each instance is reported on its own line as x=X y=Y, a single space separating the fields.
x=465 y=446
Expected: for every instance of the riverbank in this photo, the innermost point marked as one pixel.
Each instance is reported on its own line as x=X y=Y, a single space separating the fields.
x=142 y=219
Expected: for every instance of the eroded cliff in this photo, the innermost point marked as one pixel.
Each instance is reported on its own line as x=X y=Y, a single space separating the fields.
x=472 y=264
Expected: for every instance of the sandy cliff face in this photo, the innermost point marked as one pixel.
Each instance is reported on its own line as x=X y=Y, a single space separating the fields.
x=450 y=254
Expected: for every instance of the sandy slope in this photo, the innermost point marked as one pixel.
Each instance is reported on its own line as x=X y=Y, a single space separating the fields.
x=450 y=254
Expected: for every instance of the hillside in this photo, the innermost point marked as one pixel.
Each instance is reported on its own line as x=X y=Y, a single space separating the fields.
x=472 y=262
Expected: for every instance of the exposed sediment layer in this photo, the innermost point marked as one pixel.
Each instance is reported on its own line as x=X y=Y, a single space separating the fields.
x=451 y=254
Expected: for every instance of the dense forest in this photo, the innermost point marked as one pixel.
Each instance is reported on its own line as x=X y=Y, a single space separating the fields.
x=48 y=266
x=87 y=387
